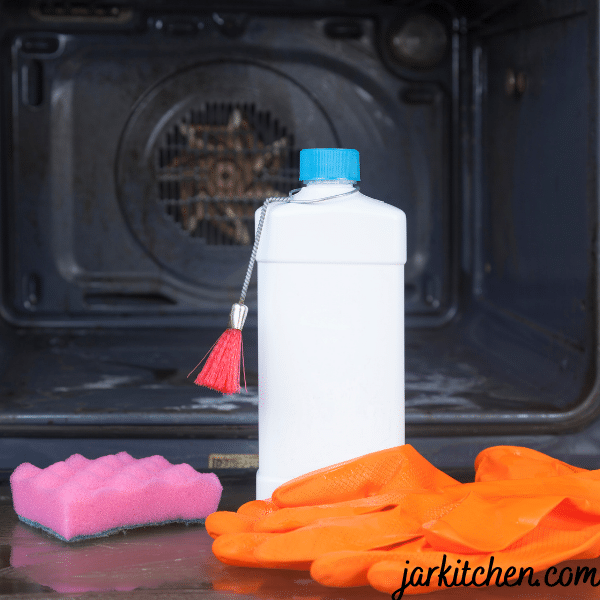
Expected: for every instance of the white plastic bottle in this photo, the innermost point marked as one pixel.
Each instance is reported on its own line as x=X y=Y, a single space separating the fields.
x=330 y=323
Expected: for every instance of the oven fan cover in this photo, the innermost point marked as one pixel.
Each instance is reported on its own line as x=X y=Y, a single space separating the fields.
x=199 y=155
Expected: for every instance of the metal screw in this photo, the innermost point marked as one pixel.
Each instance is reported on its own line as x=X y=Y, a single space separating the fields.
x=515 y=83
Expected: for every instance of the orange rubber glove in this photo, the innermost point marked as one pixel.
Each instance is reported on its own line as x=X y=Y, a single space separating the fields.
x=369 y=486
x=563 y=535
x=569 y=530
x=370 y=483
x=513 y=462
x=340 y=519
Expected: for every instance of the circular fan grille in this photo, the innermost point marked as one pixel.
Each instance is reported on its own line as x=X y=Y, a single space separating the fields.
x=218 y=164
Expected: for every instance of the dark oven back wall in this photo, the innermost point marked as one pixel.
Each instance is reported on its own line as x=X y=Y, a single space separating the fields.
x=139 y=158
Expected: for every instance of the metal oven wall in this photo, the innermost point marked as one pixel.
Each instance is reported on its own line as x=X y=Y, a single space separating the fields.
x=137 y=139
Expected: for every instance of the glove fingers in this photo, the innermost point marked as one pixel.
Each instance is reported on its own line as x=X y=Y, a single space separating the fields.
x=363 y=532
x=393 y=469
x=288 y=519
x=345 y=568
x=241 y=521
x=238 y=548
x=241 y=550
x=349 y=568
x=514 y=462
x=257 y=508
x=422 y=505
x=219 y=523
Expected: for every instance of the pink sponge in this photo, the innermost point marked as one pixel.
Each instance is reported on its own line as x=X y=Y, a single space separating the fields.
x=80 y=498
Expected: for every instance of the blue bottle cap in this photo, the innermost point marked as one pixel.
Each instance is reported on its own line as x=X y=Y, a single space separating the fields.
x=329 y=163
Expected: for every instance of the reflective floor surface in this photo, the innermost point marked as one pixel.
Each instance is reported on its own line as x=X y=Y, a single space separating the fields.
x=175 y=562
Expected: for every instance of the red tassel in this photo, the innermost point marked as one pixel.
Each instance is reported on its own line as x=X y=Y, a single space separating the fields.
x=222 y=369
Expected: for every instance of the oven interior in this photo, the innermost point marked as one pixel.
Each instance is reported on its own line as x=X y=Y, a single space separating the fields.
x=138 y=138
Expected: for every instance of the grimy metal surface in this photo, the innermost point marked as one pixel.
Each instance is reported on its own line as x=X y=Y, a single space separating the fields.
x=101 y=157
x=109 y=299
